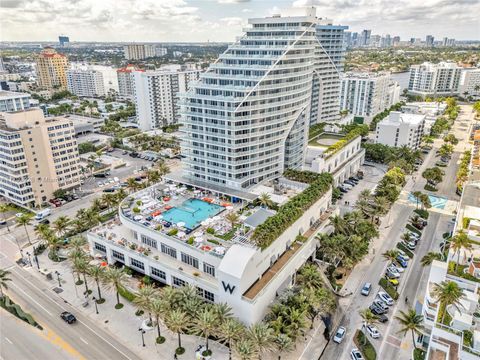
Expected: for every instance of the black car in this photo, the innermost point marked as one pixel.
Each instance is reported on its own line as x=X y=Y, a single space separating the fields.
x=376 y=310
x=68 y=317
x=382 y=318
x=350 y=182
x=109 y=190
x=343 y=190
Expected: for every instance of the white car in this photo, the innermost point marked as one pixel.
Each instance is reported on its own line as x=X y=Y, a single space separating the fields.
x=413 y=235
x=382 y=295
x=355 y=354
x=339 y=335
x=399 y=269
x=347 y=186
x=411 y=245
x=372 y=331
x=100 y=184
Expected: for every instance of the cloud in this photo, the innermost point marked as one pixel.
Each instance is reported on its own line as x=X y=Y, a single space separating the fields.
x=233 y=21
x=11 y=4
x=232 y=1
x=246 y=11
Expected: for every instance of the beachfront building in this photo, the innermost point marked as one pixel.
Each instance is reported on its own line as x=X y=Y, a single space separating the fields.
x=434 y=79
x=85 y=82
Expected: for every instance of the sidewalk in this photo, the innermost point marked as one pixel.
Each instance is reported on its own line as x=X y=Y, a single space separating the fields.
x=124 y=324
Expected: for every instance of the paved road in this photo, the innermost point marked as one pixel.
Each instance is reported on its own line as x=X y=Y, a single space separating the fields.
x=82 y=340
x=412 y=282
x=19 y=340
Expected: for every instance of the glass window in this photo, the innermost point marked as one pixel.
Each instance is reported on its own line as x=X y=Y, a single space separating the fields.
x=158 y=273
x=209 y=269
x=137 y=264
x=100 y=247
x=169 y=250
x=149 y=241
x=178 y=282
x=117 y=255
x=190 y=260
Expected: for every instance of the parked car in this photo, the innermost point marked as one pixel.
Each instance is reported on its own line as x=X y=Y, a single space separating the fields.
x=411 y=245
x=379 y=303
x=367 y=287
x=342 y=189
x=109 y=190
x=393 y=269
x=382 y=318
x=387 y=299
x=349 y=182
x=372 y=331
x=347 y=186
x=68 y=317
x=398 y=268
x=3 y=222
x=403 y=263
x=391 y=275
x=394 y=282
x=418 y=226
x=339 y=335
x=376 y=310
x=355 y=354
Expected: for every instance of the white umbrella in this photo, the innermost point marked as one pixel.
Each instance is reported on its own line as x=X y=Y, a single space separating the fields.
x=196 y=191
x=181 y=234
x=220 y=250
x=229 y=207
x=181 y=224
x=199 y=239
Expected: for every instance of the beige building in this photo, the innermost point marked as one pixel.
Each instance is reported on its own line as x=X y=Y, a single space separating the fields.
x=51 y=69
x=38 y=155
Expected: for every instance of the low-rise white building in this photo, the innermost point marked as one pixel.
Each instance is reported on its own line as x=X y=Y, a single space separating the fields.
x=342 y=164
x=85 y=82
x=175 y=250
x=156 y=95
x=367 y=94
x=399 y=129
x=470 y=83
x=434 y=79
x=13 y=101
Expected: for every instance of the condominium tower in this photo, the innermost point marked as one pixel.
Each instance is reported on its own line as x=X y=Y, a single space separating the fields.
x=138 y=51
x=156 y=95
x=367 y=94
x=246 y=120
x=85 y=82
x=125 y=80
x=38 y=156
x=51 y=70
x=434 y=79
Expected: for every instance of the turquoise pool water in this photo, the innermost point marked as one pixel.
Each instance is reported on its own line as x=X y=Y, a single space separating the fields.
x=192 y=212
x=437 y=202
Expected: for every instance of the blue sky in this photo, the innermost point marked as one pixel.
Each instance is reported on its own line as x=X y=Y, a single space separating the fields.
x=222 y=20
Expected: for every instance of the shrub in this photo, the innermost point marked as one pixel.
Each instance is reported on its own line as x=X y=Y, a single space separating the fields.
x=210 y=231
x=423 y=213
x=402 y=247
x=366 y=348
x=419 y=354
x=173 y=232
x=213 y=241
x=126 y=294
x=429 y=187
x=389 y=289
x=118 y=306
x=180 y=350
x=139 y=313
x=160 y=340
x=190 y=240
x=289 y=212
x=468 y=338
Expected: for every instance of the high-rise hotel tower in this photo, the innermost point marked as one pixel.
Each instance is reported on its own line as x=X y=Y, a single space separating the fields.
x=247 y=118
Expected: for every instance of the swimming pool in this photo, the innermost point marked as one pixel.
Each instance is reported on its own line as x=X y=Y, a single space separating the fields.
x=437 y=202
x=192 y=212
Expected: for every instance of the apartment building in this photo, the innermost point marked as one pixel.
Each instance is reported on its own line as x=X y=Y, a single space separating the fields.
x=434 y=79
x=470 y=83
x=156 y=95
x=125 y=81
x=451 y=332
x=367 y=94
x=14 y=101
x=51 y=70
x=85 y=82
x=246 y=120
x=399 y=129
x=329 y=60
x=138 y=51
x=38 y=155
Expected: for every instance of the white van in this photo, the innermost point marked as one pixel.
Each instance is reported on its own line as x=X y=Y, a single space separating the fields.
x=43 y=214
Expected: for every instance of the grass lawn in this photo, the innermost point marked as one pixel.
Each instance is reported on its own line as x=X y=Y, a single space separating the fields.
x=366 y=348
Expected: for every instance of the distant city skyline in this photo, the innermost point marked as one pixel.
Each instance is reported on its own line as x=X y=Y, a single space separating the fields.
x=222 y=20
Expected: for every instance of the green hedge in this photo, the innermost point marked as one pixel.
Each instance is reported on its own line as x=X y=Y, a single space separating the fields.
x=413 y=229
x=350 y=136
x=405 y=250
x=423 y=213
x=419 y=354
x=389 y=289
x=16 y=310
x=366 y=348
x=291 y=211
x=126 y=294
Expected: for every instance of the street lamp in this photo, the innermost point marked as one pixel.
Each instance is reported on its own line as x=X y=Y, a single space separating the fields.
x=95 y=302
x=143 y=339
x=58 y=278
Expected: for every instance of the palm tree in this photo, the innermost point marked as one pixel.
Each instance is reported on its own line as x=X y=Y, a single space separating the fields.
x=245 y=349
x=132 y=184
x=162 y=168
x=110 y=200
x=177 y=321
x=365 y=207
x=381 y=205
x=61 y=224
x=448 y=293
x=153 y=176
x=223 y=311
x=97 y=273
x=81 y=266
x=4 y=209
x=230 y=331
x=417 y=195
x=458 y=242
x=339 y=224
x=24 y=220
x=144 y=299
x=262 y=337
x=232 y=218
x=43 y=231
x=428 y=258
x=53 y=244
x=92 y=218
x=97 y=205
x=410 y=321
x=368 y=319
x=77 y=242
x=265 y=200
x=4 y=279
x=116 y=278
x=283 y=343
x=171 y=296
x=390 y=255
x=309 y=277
x=157 y=309
x=205 y=324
